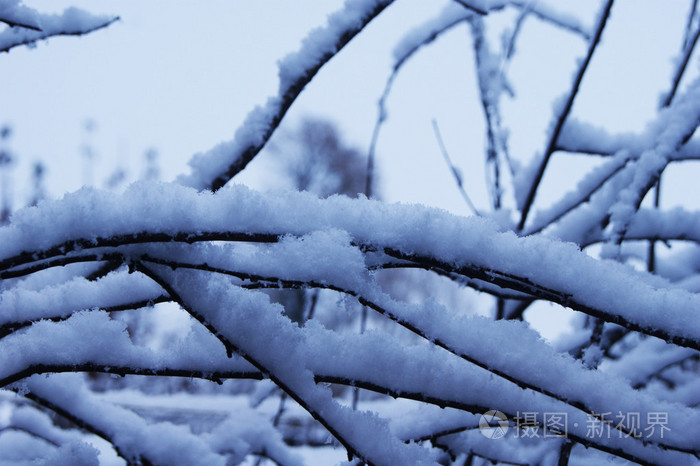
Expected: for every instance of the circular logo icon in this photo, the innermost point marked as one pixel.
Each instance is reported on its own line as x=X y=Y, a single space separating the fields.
x=493 y=424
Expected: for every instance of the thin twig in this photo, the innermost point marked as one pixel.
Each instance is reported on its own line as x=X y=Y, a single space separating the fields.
x=689 y=23
x=473 y=8
x=381 y=104
x=16 y=24
x=453 y=169
x=680 y=70
x=213 y=376
x=81 y=424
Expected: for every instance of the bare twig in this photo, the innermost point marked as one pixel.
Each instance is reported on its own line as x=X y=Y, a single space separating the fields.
x=214 y=376
x=312 y=305
x=680 y=69
x=381 y=104
x=453 y=169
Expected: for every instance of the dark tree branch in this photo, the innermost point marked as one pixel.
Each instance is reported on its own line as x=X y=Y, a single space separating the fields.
x=287 y=97
x=442 y=433
x=652 y=180
x=231 y=348
x=527 y=286
x=61 y=262
x=509 y=49
x=680 y=70
x=694 y=357
x=275 y=282
x=688 y=47
x=42 y=35
x=10 y=327
x=565 y=453
x=563 y=115
x=689 y=24
x=104 y=270
x=17 y=24
x=213 y=376
x=83 y=425
x=472 y=8
x=489 y=276
x=312 y=305
x=218 y=376
x=443 y=403
x=144 y=237
x=147 y=271
x=478 y=285
x=583 y=197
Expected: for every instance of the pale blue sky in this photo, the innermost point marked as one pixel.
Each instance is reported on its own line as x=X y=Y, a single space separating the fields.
x=180 y=77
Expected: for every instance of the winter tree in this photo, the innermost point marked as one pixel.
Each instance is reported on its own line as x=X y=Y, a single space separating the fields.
x=431 y=382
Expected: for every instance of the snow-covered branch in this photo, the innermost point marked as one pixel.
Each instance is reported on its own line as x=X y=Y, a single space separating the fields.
x=204 y=288
x=29 y=26
x=213 y=169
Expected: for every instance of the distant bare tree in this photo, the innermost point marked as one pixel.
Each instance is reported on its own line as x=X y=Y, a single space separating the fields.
x=317 y=160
